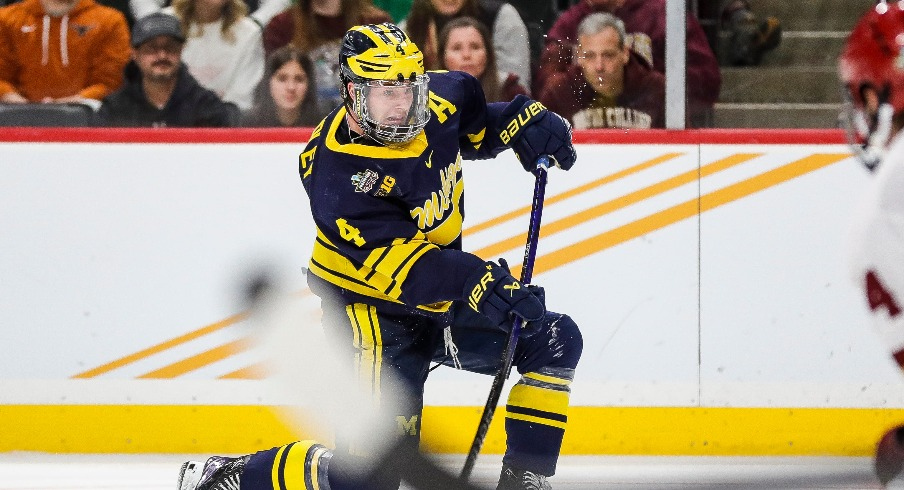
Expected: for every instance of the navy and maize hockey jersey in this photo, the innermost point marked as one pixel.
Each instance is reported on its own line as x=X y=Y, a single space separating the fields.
x=389 y=218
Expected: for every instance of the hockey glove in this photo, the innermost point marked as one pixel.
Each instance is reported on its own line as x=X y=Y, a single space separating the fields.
x=537 y=291
x=532 y=130
x=528 y=328
x=492 y=291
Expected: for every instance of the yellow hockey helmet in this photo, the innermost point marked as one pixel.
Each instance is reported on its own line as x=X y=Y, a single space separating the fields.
x=381 y=62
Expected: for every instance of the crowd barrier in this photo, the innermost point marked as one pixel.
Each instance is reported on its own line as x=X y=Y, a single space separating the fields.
x=706 y=268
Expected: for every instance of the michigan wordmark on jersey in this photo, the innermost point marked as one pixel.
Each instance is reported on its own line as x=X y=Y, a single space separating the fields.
x=383 y=211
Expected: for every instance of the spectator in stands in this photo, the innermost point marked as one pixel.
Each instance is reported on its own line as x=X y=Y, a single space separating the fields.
x=61 y=51
x=609 y=86
x=538 y=16
x=316 y=28
x=397 y=9
x=261 y=10
x=285 y=96
x=121 y=5
x=748 y=38
x=464 y=45
x=645 y=23
x=159 y=91
x=509 y=34
x=223 y=47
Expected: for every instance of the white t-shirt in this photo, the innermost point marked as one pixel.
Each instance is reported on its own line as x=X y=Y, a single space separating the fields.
x=232 y=69
x=266 y=10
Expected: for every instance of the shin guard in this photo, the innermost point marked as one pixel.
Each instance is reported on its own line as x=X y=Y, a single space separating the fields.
x=535 y=419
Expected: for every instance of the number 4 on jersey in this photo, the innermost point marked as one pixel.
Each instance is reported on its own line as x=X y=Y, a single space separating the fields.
x=349 y=232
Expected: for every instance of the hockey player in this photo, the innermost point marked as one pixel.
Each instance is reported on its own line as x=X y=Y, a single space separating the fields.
x=872 y=70
x=383 y=173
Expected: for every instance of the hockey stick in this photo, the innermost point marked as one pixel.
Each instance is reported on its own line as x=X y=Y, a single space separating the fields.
x=508 y=353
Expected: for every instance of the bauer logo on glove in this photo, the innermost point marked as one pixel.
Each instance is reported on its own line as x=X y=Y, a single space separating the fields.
x=493 y=292
x=480 y=288
x=524 y=117
x=532 y=130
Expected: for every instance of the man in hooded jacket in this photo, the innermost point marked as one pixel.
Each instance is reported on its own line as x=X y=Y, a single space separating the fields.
x=159 y=91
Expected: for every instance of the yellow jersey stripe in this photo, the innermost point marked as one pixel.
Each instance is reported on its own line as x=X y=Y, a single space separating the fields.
x=376 y=258
x=395 y=261
x=357 y=286
x=411 y=149
x=383 y=272
x=401 y=272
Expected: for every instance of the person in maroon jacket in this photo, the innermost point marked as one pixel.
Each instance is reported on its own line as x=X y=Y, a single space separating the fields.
x=609 y=86
x=645 y=23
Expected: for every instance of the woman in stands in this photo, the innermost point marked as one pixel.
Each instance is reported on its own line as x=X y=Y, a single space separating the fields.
x=285 y=96
x=316 y=27
x=509 y=33
x=464 y=45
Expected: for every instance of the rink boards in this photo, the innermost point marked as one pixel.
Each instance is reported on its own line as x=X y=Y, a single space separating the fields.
x=706 y=269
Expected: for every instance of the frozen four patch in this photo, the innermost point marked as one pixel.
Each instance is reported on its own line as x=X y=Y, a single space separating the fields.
x=364 y=181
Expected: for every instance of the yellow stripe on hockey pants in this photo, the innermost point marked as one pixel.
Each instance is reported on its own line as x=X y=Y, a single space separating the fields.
x=368 y=344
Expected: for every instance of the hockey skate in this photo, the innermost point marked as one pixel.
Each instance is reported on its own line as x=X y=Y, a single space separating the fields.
x=515 y=479
x=218 y=473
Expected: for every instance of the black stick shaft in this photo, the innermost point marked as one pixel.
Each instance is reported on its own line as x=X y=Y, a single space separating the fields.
x=508 y=353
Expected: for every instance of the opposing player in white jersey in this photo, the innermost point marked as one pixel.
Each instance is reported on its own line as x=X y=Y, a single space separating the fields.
x=872 y=70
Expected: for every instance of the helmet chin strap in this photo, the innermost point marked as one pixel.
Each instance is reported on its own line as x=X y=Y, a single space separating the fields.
x=355 y=132
x=872 y=151
x=353 y=124
x=884 y=116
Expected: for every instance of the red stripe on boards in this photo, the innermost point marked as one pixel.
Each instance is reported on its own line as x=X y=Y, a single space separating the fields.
x=301 y=135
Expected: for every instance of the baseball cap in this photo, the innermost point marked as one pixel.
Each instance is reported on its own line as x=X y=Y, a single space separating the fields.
x=156 y=24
